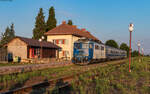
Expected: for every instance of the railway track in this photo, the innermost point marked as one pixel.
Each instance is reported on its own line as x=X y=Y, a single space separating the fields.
x=59 y=82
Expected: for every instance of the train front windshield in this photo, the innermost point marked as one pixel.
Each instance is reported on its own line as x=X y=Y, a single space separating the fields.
x=77 y=45
x=81 y=49
x=82 y=45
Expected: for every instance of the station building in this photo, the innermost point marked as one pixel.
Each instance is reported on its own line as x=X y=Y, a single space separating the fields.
x=27 y=48
x=65 y=35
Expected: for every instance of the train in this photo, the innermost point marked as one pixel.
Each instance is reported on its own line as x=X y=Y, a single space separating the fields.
x=89 y=51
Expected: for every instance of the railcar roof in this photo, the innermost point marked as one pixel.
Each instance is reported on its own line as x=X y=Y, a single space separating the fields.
x=114 y=48
x=88 y=41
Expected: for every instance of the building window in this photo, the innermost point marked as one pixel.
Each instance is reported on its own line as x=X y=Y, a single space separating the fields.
x=65 y=53
x=34 y=52
x=102 y=48
x=37 y=51
x=59 y=41
x=85 y=46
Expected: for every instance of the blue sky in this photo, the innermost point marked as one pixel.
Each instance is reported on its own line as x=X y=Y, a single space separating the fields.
x=106 y=19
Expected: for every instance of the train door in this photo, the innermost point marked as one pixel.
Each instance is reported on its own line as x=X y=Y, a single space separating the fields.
x=103 y=52
x=91 y=46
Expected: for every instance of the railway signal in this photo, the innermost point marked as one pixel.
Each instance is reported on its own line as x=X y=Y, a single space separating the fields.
x=130 y=30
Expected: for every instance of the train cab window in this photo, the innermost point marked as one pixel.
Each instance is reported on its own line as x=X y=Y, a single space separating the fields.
x=77 y=46
x=85 y=46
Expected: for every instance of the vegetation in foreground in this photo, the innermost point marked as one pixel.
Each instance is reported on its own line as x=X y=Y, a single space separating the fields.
x=18 y=80
x=101 y=80
x=12 y=81
x=112 y=80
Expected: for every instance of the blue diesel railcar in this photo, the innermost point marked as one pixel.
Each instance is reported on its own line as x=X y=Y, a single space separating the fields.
x=88 y=51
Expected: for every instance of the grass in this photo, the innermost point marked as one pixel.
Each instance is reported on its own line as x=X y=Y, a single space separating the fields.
x=22 y=77
x=11 y=64
x=8 y=81
x=110 y=78
x=115 y=80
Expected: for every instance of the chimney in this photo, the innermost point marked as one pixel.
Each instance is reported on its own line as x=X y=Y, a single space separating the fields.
x=63 y=22
x=74 y=26
x=83 y=29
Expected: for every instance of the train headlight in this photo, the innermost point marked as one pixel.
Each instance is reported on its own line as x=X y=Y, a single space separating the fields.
x=85 y=54
x=86 y=58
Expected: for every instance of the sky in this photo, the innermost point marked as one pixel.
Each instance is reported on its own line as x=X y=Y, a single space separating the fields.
x=105 y=19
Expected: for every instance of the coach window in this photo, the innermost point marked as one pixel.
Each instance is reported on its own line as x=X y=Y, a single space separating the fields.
x=112 y=51
x=96 y=47
x=102 y=48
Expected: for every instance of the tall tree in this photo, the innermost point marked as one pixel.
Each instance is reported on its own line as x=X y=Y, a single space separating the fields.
x=40 y=26
x=112 y=43
x=135 y=53
x=12 y=31
x=0 y=36
x=70 y=22
x=6 y=36
x=125 y=47
x=51 y=22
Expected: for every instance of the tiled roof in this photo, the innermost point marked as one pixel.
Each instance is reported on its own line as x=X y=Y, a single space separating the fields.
x=65 y=29
x=36 y=43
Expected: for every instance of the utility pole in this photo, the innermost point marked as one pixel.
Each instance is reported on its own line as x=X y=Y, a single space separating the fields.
x=130 y=30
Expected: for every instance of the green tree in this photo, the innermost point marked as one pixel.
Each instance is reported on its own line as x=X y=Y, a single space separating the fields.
x=8 y=35
x=12 y=31
x=0 y=36
x=125 y=47
x=70 y=22
x=40 y=26
x=135 y=53
x=5 y=36
x=51 y=22
x=112 y=43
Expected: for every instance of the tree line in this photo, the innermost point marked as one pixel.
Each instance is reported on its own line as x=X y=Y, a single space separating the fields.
x=42 y=26
x=8 y=35
x=123 y=46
